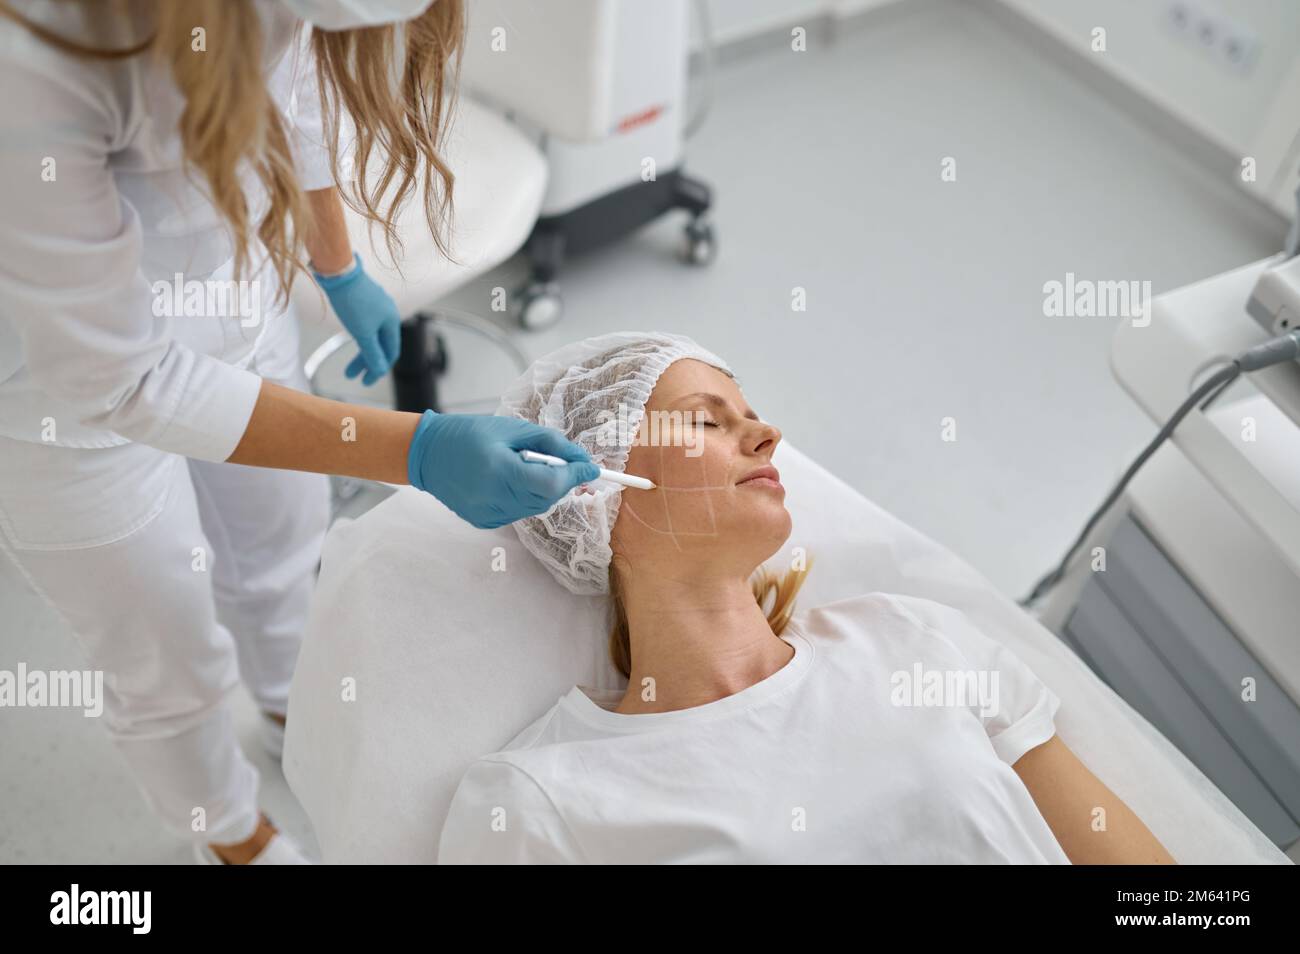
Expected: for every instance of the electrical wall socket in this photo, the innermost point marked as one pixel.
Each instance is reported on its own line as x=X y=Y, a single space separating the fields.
x=1205 y=25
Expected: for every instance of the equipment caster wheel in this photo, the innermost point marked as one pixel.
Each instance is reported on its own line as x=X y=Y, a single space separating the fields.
x=701 y=246
x=540 y=305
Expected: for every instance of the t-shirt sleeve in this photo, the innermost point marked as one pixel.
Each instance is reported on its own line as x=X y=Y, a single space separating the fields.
x=500 y=815
x=1022 y=713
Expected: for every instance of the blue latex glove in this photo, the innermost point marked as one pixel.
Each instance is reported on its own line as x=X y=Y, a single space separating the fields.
x=471 y=463
x=370 y=315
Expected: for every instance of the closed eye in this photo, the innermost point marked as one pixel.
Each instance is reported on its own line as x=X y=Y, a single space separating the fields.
x=719 y=402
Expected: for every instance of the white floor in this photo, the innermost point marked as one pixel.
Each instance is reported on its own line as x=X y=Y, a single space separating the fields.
x=924 y=300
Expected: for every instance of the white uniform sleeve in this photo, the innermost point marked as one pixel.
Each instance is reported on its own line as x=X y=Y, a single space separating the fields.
x=70 y=278
x=1025 y=710
x=499 y=815
x=293 y=85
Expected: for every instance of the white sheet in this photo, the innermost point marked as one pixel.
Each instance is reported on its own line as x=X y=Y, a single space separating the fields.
x=450 y=657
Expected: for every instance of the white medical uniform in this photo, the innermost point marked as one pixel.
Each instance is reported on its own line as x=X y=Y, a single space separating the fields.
x=822 y=762
x=177 y=576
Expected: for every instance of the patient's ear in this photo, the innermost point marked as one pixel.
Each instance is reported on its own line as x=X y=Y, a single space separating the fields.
x=618 y=564
x=618 y=542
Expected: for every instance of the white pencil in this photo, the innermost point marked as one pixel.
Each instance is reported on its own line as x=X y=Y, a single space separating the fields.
x=627 y=480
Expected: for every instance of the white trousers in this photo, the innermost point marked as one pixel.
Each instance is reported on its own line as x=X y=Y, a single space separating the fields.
x=178 y=578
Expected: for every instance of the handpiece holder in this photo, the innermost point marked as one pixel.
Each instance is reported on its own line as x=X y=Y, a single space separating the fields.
x=1275 y=300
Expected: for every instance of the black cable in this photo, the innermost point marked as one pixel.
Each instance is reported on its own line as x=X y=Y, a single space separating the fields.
x=1274 y=351
x=1215 y=383
x=1215 y=396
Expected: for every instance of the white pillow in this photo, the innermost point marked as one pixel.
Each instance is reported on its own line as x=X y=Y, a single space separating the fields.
x=451 y=657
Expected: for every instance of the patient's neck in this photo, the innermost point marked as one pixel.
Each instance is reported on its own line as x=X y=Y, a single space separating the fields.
x=698 y=640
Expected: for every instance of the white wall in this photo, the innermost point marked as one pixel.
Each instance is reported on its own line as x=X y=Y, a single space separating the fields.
x=1252 y=113
x=741 y=19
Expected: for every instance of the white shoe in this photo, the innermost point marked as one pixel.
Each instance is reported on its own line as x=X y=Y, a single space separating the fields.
x=280 y=850
x=272 y=737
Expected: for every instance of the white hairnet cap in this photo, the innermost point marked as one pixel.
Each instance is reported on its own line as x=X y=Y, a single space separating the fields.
x=594 y=392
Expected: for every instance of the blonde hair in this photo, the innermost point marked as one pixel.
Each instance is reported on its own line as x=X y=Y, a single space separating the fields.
x=766 y=585
x=230 y=118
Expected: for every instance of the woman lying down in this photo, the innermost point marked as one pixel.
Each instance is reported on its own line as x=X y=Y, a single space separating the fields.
x=746 y=734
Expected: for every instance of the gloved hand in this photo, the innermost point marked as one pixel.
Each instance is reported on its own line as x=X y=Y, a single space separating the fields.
x=471 y=463
x=370 y=315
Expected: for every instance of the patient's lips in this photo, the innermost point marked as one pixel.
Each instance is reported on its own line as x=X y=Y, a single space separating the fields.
x=765 y=476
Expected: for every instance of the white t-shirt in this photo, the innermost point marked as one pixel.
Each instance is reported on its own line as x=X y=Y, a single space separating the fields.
x=888 y=738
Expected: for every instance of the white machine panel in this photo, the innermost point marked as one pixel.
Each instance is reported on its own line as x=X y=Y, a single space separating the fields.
x=598 y=67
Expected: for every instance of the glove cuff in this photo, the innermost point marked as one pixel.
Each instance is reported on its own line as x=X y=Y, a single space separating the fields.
x=415 y=454
x=331 y=282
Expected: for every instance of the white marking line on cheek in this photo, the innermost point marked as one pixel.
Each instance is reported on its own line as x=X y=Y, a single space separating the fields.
x=713 y=517
x=713 y=520
x=666 y=533
x=668 y=513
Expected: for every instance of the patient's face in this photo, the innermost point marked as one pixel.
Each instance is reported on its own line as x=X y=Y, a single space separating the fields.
x=699 y=442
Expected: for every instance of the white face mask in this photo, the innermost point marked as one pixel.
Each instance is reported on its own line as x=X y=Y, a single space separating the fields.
x=349 y=14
